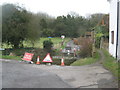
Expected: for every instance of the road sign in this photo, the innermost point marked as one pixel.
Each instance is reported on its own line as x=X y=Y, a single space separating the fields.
x=62 y=36
x=47 y=58
x=28 y=56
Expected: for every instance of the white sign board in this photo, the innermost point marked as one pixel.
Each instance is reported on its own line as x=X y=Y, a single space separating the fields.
x=62 y=36
x=47 y=58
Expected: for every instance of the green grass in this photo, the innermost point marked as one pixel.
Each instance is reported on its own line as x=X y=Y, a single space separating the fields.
x=10 y=57
x=110 y=63
x=87 y=61
x=39 y=43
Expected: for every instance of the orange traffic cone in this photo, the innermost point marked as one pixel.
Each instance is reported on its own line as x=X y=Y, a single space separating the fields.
x=38 y=60
x=62 y=62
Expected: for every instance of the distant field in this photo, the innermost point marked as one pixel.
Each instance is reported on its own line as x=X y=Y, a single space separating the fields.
x=39 y=43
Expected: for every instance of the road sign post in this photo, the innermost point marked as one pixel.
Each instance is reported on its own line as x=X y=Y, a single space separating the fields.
x=62 y=37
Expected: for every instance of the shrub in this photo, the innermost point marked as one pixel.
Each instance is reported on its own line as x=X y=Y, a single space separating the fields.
x=38 y=52
x=86 y=48
x=97 y=42
x=17 y=52
x=47 y=45
x=42 y=53
x=86 y=61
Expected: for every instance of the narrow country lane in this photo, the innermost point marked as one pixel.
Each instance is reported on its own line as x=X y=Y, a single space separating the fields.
x=88 y=76
x=17 y=74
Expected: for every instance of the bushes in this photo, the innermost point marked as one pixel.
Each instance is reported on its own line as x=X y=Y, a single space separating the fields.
x=87 y=61
x=42 y=53
x=37 y=52
x=17 y=52
x=86 y=45
x=86 y=48
x=48 y=44
x=97 y=42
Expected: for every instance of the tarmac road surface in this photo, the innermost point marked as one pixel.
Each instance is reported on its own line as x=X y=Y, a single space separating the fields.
x=88 y=76
x=21 y=75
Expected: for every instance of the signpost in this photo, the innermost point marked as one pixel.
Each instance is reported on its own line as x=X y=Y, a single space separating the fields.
x=74 y=51
x=62 y=36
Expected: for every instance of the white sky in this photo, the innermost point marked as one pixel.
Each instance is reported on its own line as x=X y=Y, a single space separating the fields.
x=63 y=7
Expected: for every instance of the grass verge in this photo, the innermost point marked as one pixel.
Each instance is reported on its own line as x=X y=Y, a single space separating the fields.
x=111 y=64
x=10 y=57
x=87 y=61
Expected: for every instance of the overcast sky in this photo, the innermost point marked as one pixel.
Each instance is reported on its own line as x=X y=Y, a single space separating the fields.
x=63 y=7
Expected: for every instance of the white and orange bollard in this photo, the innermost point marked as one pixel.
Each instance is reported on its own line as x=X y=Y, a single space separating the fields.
x=62 y=62
x=38 y=60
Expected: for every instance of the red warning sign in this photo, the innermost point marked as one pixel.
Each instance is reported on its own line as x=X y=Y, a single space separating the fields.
x=47 y=58
x=28 y=56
